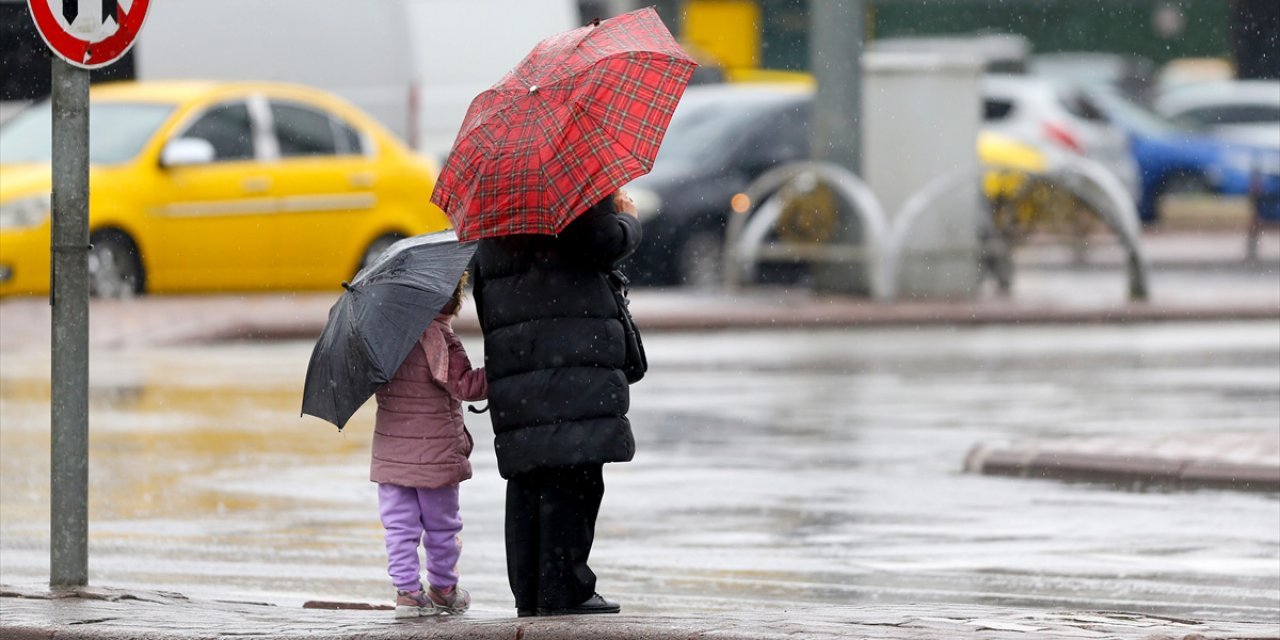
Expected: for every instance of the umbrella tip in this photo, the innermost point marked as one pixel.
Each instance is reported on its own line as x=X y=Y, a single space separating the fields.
x=346 y=285
x=595 y=22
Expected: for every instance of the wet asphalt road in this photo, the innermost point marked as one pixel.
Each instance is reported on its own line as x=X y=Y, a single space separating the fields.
x=774 y=469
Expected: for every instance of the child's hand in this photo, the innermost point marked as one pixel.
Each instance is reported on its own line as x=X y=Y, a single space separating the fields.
x=622 y=202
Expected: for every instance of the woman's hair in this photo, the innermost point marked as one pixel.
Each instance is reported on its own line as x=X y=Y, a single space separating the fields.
x=454 y=306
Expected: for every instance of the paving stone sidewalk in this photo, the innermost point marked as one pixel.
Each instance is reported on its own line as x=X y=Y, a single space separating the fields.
x=106 y=614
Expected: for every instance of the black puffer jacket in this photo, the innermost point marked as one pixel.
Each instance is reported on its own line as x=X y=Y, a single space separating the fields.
x=554 y=344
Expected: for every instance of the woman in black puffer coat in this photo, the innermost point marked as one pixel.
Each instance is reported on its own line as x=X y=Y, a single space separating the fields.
x=558 y=399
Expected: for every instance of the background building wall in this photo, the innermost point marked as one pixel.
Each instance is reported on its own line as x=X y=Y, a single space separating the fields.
x=1160 y=30
x=1257 y=35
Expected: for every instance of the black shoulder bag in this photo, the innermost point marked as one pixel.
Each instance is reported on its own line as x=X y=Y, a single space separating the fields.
x=636 y=364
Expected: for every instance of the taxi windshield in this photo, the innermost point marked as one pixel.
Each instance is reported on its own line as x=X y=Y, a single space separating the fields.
x=117 y=132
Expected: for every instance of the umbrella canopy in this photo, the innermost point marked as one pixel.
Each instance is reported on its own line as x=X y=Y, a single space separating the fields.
x=580 y=116
x=378 y=319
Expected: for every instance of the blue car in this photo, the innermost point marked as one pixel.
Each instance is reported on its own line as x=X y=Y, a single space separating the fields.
x=1174 y=159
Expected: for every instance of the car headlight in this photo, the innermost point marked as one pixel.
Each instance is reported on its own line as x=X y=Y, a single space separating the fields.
x=648 y=203
x=26 y=212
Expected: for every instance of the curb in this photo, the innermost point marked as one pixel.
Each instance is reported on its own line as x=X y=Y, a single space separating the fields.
x=935 y=315
x=179 y=320
x=1184 y=473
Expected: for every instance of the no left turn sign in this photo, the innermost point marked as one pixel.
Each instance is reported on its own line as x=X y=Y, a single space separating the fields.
x=89 y=33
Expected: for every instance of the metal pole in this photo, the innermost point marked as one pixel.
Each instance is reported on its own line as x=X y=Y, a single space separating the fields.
x=69 y=296
x=837 y=29
x=1255 y=202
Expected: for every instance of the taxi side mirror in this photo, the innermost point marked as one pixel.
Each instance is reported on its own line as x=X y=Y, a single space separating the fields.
x=187 y=151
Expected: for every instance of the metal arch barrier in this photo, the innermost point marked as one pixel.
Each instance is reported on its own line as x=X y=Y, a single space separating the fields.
x=1092 y=182
x=1106 y=195
x=746 y=232
x=885 y=244
x=920 y=203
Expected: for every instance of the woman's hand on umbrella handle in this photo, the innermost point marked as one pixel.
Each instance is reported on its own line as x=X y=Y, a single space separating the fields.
x=622 y=202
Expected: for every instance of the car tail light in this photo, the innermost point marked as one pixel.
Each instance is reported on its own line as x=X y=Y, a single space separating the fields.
x=1062 y=136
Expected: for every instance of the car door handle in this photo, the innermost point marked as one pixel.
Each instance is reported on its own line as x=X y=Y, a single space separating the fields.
x=256 y=184
x=361 y=180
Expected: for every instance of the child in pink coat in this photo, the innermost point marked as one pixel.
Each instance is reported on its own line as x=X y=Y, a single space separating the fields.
x=420 y=455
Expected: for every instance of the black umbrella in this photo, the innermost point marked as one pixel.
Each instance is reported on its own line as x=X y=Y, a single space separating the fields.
x=378 y=319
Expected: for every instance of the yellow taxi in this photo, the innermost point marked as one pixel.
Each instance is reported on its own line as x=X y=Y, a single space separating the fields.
x=1008 y=162
x=207 y=186
x=1024 y=196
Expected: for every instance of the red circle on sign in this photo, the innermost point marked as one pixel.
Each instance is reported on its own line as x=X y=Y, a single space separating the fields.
x=82 y=53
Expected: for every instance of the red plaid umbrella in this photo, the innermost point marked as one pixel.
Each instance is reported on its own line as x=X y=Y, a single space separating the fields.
x=580 y=116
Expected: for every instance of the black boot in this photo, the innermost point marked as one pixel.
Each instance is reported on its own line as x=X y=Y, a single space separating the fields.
x=595 y=604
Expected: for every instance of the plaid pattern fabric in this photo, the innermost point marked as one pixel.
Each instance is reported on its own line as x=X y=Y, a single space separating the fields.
x=580 y=116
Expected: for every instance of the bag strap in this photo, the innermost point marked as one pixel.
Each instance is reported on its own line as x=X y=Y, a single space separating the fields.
x=618 y=280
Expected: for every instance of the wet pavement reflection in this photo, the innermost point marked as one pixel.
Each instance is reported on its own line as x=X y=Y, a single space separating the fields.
x=773 y=468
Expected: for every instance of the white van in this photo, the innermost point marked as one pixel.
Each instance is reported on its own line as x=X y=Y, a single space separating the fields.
x=413 y=64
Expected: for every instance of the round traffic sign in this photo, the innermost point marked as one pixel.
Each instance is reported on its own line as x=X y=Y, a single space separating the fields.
x=89 y=33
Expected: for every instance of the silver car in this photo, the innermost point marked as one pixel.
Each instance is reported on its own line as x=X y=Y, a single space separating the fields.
x=1244 y=111
x=1057 y=115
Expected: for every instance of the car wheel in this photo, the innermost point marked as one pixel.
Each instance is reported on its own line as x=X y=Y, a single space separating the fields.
x=375 y=249
x=115 y=267
x=700 y=259
x=1176 y=191
x=1186 y=184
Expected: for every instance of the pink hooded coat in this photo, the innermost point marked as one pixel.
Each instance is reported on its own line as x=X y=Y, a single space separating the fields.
x=419 y=437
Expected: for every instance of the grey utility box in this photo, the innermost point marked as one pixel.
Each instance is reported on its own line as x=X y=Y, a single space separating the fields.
x=921 y=113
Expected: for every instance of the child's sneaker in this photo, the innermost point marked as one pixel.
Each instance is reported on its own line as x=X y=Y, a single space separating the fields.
x=451 y=600
x=414 y=604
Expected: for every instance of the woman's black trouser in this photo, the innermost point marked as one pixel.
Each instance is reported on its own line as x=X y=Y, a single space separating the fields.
x=551 y=523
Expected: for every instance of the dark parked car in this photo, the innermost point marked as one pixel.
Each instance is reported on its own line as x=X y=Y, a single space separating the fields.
x=721 y=138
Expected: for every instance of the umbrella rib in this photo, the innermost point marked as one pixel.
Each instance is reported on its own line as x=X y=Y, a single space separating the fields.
x=567 y=73
x=579 y=108
x=360 y=334
x=577 y=105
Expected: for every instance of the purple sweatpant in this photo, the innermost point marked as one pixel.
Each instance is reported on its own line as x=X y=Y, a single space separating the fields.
x=429 y=516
